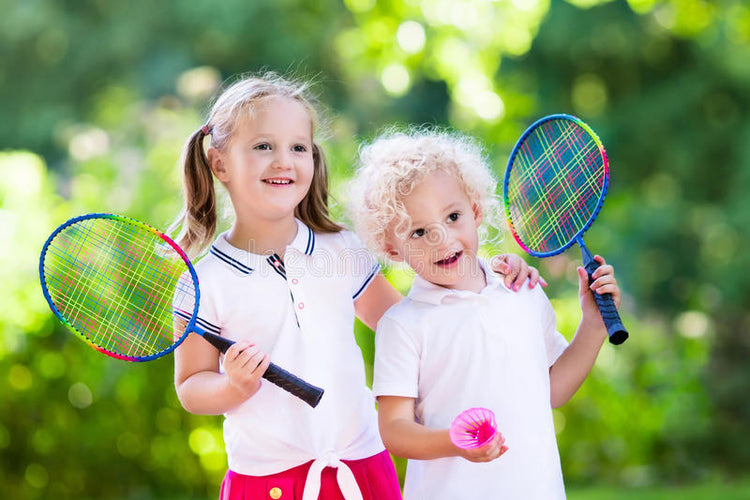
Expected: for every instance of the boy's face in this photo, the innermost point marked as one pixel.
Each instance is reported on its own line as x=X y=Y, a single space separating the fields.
x=440 y=242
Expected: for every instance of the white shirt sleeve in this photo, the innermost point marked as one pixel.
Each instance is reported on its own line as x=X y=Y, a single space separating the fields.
x=397 y=359
x=554 y=341
x=361 y=265
x=183 y=304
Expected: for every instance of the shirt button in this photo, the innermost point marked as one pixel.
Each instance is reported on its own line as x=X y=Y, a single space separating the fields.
x=295 y=281
x=275 y=493
x=301 y=305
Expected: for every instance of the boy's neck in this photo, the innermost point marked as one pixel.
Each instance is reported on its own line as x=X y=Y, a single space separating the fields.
x=475 y=279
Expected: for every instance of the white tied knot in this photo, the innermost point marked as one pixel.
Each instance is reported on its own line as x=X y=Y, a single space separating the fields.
x=344 y=477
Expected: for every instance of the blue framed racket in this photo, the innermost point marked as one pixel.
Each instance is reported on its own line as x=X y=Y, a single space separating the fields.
x=119 y=284
x=555 y=185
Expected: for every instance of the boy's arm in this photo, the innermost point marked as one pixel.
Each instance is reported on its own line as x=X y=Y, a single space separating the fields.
x=406 y=438
x=574 y=364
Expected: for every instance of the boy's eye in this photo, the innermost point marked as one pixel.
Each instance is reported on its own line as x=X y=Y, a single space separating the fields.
x=418 y=233
x=454 y=217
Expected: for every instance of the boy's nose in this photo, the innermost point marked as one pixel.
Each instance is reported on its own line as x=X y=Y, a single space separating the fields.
x=438 y=235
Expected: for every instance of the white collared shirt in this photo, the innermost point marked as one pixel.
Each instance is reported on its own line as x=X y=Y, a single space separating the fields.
x=452 y=350
x=301 y=313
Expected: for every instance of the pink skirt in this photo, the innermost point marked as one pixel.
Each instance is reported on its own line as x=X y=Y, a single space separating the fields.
x=376 y=478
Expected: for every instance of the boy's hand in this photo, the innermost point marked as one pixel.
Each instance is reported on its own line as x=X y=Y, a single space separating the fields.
x=604 y=282
x=488 y=452
x=516 y=271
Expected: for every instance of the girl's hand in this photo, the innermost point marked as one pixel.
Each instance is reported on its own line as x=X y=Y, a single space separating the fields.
x=488 y=452
x=244 y=365
x=604 y=282
x=516 y=271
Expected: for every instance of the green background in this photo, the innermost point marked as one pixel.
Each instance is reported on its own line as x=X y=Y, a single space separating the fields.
x=97 y=98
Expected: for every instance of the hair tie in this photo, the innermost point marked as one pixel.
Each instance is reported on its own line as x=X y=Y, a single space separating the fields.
x=206 y=130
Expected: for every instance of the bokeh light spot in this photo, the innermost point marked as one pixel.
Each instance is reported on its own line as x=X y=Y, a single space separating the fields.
x=395 y=79
x=411 y=37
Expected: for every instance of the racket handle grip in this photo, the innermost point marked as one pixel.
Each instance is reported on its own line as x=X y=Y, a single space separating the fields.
x=294 y=385
x=307 y=392
x=615 y=329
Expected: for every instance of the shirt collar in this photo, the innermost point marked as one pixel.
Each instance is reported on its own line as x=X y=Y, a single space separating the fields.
x=424 y=291
x=246 y=262
x=305 y=239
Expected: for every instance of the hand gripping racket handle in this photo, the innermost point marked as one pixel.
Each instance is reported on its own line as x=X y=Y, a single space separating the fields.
x=307 y=392
x=615 y=329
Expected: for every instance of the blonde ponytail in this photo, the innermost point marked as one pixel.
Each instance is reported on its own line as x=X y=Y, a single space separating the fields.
x=198 y=219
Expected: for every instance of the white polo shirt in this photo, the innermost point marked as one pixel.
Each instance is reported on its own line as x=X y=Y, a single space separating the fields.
x=452 y=350
x=304 y=320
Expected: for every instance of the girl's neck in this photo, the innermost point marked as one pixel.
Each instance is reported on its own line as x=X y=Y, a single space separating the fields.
x=263 y=237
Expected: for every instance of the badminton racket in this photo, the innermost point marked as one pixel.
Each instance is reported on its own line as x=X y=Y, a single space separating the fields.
x=119 y=284
x=554 y=187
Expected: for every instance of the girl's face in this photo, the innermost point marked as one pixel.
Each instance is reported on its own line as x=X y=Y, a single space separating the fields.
x=440 y=243
x=268 y=165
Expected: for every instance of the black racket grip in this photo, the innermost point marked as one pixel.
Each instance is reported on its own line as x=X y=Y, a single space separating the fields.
x=294 y=385
x=615 y=329
x=307 y=392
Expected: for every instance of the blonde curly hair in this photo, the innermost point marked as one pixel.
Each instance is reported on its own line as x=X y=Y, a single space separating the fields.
x=395 y=162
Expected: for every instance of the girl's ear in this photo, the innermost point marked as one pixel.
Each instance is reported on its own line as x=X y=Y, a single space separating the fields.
x=216 y=162
x=477 y=213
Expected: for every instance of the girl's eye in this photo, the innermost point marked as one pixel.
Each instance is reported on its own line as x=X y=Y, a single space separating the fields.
x=418 y=233
x=300 y=148
x=453 y=217
x=263 y=146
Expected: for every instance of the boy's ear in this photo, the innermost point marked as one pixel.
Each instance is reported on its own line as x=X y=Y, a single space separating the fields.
x=477 y=213
x=216 y=163
x=394 y=254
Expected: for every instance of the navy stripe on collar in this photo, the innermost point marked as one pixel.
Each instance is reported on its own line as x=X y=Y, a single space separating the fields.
x=230 y=261
x=310 y=241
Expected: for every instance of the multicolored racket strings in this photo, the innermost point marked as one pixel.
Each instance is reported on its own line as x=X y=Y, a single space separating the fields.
x=113 y=280
x=119 y=284
x=555 y=185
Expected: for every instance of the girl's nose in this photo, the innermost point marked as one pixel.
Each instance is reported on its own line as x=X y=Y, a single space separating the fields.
x=282 y=159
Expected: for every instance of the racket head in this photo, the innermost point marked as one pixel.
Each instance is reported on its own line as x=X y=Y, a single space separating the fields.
x=116 y=282
x=555 y=184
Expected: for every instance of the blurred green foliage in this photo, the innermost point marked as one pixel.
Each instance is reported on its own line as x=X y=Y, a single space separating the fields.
x=97 y=98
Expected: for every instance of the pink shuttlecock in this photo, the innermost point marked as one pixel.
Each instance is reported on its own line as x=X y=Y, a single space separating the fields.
x=473 y=428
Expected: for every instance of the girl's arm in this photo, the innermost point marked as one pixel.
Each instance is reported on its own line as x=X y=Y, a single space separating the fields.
x=406 y=438
x=201 y=388
x=375 y=301
x=575 y=363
